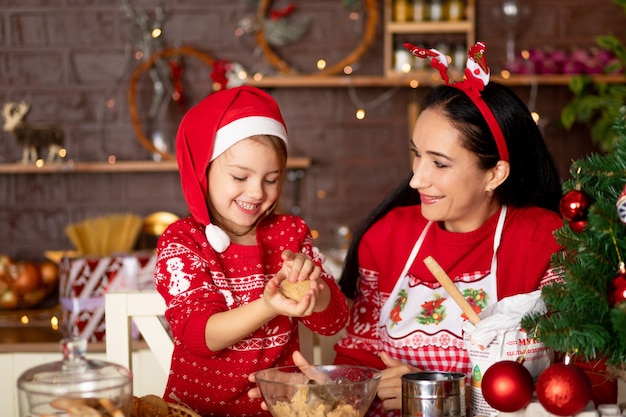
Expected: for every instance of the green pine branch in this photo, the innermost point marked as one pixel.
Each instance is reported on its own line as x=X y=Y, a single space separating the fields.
x=580 y=319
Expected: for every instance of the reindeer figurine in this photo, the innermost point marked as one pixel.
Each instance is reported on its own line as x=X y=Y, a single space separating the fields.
x=31 y=136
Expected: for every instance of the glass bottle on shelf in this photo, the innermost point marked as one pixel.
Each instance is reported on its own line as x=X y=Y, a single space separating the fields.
x=459 y=56
x=444 y=47
x=420 y=10
x=419 y=64
x=455 y=10
x=436 y=10
x=401 y=10
x=401 y=59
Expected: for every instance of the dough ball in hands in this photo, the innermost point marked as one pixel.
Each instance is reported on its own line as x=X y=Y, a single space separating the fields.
x=295 y=290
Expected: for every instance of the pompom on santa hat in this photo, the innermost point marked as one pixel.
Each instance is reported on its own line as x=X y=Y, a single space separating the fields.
x=207 y=130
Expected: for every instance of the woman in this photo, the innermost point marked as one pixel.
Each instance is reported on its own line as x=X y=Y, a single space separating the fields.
x=482 y=200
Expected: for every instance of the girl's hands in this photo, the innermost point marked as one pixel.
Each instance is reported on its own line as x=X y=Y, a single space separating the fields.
x=390 y=386
x=297 y=267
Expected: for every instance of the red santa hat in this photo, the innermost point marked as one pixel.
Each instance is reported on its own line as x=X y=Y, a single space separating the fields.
x=208 y=129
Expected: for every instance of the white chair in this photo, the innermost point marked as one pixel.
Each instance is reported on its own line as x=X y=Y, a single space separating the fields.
x=145 y=309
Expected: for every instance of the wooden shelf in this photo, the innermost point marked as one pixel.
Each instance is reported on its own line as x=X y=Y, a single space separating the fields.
x=396 y=33
x=117 y=167
x=424 y=78
x=462 y=26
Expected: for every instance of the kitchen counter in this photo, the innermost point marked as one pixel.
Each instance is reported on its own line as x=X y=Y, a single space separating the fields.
x=31 y=330
x=38 y=330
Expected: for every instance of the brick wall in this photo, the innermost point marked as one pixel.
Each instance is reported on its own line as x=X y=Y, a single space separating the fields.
x=71 y=59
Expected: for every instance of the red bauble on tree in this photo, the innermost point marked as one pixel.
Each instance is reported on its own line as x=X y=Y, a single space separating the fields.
x=578 y=226
x=507 y=386
x=563 y=390
x=617 y=287
x=574 y=205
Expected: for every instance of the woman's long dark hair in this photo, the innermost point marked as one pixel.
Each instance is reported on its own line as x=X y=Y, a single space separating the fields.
x=533 y=178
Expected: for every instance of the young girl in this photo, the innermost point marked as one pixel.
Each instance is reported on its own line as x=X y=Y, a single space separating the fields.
x=220 y=269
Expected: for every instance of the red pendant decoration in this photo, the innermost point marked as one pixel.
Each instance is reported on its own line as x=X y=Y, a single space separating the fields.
x=574 y=205
x=563 y=390
x=507 y=386
x=617 y=287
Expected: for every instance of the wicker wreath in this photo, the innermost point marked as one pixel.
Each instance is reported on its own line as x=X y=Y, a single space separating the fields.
x=371 y=10
x=140 y=71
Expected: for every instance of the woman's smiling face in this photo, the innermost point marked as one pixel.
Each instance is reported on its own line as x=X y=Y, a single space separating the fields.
x=453 y=190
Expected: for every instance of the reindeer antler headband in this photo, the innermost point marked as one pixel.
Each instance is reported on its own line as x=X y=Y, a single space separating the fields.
x=476 y=78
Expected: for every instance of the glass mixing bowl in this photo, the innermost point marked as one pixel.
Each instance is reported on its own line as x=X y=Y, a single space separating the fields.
x=318 y=390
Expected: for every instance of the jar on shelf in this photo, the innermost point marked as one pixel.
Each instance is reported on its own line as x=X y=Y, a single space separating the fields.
x=75 y=386
x=444 y=47
x=435 y=10
x=459 y=56
x=420 y=10
x=402 y=59
x=402 y=10
x=455 y=10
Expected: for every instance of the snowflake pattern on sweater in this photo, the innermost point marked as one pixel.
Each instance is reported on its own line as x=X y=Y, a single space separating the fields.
x=197 y=282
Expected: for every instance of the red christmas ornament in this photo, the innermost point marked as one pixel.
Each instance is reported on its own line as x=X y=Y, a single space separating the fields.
x=578 y=226
x=507 y=386
x=574 y=205
x=563 y=390
x=617 y=287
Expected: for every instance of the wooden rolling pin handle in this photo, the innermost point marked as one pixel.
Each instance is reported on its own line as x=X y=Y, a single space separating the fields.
x=448 y=285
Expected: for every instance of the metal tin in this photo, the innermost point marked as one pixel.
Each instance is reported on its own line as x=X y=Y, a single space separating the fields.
x=433 y=394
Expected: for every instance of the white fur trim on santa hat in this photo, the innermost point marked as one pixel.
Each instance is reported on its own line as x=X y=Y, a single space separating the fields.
x=217 y=238
x=243 y=128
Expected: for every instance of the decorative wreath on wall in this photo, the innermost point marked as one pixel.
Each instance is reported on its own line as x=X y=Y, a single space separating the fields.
x=372 y=15
x=140 y=71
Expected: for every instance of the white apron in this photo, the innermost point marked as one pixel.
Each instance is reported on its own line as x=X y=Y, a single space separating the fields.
x=419 y=314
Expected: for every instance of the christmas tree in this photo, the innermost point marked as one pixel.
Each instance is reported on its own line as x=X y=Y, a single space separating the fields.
x=587 y=309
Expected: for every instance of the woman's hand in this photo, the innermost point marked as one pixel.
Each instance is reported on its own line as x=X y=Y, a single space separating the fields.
x=254 y=393
x=390 y=386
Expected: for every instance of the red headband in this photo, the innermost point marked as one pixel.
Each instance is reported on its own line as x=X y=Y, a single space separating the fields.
x=476 y=78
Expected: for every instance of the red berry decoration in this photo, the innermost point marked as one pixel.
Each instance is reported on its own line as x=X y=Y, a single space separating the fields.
x=563 y=390
x=574 y=205
x=507 y=386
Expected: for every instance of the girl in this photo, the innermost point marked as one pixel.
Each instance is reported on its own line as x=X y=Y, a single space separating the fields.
x=220 y=269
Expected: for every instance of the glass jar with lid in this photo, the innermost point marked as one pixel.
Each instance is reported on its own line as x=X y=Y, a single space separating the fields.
x=402 y=11
x=75 y=386
x=435 y=11
x=455 y=10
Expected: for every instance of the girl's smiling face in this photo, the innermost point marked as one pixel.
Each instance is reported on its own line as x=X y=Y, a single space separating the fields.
x=453 y=190
x=243 y=183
